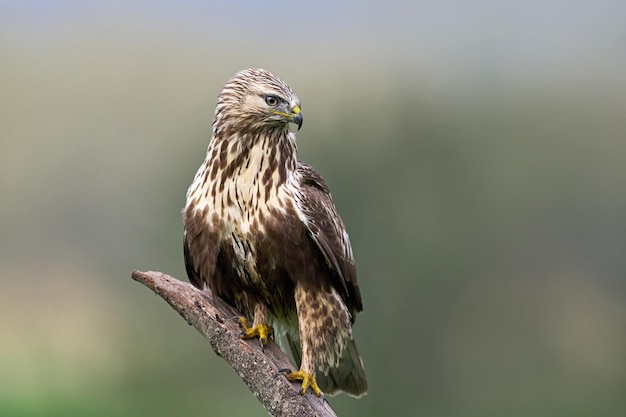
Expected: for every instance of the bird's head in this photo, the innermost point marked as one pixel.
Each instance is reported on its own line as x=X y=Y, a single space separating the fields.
x=257 y=100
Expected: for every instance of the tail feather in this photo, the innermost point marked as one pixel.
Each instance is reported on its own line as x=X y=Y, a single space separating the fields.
x=348 y=377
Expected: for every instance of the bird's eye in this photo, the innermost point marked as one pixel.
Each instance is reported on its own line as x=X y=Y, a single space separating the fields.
x=271 y=100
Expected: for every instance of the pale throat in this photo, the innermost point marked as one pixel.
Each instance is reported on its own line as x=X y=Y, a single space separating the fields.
x=252 y=183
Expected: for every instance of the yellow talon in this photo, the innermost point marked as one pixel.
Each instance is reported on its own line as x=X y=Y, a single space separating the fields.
x=262 y=331
x=308 y=380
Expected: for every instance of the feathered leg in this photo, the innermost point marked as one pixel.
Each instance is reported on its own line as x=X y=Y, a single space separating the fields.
x=306 y=374
x=324 y=327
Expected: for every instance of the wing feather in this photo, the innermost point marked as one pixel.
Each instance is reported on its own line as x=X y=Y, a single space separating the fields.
x=192 y=273
x=327 y=230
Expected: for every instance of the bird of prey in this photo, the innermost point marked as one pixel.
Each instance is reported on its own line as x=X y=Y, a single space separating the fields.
x=262 y=232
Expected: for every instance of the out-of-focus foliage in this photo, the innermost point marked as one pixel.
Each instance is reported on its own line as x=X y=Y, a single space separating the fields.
x=478 y=163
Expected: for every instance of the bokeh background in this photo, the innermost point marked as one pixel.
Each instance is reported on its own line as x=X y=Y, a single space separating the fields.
x=476 y=151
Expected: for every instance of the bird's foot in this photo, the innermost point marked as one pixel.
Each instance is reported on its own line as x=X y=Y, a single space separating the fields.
x=308 y=380
x=262 y=331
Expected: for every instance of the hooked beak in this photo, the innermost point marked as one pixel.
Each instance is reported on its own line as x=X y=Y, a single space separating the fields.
x=296 y=116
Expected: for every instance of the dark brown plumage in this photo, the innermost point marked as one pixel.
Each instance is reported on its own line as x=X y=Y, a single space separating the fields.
x=262 y=232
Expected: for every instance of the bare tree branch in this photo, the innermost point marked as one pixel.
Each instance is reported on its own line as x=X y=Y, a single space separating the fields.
x=217 y=322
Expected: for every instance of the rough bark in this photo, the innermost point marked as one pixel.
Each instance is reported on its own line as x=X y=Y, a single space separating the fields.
x=217 y=322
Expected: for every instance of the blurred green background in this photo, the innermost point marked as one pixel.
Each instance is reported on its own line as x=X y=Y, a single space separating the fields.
x=476 y=151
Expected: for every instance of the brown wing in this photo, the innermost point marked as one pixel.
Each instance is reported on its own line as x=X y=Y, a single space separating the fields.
x=192 y=273
x=329 y=233
x=200 y=248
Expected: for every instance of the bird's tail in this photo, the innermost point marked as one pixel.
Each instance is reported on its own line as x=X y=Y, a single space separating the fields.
x=348 y=376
